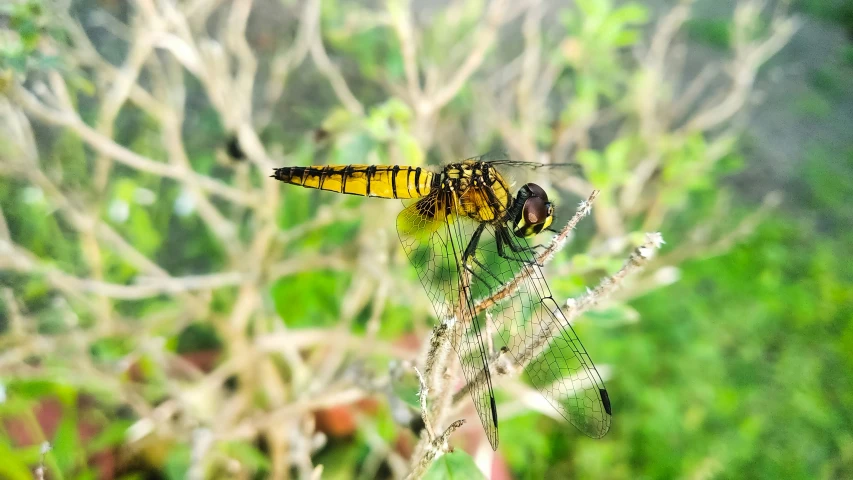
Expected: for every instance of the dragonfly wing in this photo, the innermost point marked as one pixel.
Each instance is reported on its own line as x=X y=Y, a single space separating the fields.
x=435 y=240
x=564 y=372
x=490 y=156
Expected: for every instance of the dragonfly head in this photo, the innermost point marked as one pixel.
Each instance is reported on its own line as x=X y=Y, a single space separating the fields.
x=535 y=212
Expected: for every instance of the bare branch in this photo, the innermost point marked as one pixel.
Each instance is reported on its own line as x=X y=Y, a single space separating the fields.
x=749 y=56
x=484 y=40
x=328 y=69
x=16 y=258
x=107 y=146
x=437 y=448
x=423 y=393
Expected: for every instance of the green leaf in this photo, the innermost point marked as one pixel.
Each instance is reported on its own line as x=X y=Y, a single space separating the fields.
x=626 y=38
x=248 y=456
x=145 y=236
x=48 y=62
x=396 y=321
x=531 y=448
x=406 y=388
x=339 y=461
x=177 y=463
x=12 y=467
x=612 y=317
x=34 y=388
x=338 y=120
x=594 y=11
x=112 y=435
x=714 y=32
x=16 y=60
x=617 y=156
x=310 y=299
x=456 y=465
x=413 y=154
x=66 y=447
x=631 y=14
x=353 y=148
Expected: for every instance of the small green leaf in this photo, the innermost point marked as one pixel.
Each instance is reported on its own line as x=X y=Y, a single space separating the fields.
x=49 y=62
x=339 y=119
x=12 y=467
x=310 y=299
x=112 y=435
x=413 y=154
x=406 y=388
x=352 y=148
x=66 y=447
x=631 y=14
x=249 y=457
x=626 y=38
x=613 y=317
x=177 y=463
x=456 y=465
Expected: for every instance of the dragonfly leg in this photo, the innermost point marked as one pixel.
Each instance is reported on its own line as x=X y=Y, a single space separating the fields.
x=485 y=269
x=469 y=255
x=501 y=239
x=472 y=244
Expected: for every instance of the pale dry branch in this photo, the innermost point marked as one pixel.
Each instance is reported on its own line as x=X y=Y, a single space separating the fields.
x=423 y=394
x=749 y=57
x=697 y=87
x=17 y=259
x=484 y=39
x=113 y=100
x=400 y=15
x=330 y=398
x=436 y=448
x=87 y=224
x=286 y=59
x=4 y=227
x=107 y=146
x=13 y=313
x=331 y=71
x=655 y=69
x=441 y=87
x=45 y=448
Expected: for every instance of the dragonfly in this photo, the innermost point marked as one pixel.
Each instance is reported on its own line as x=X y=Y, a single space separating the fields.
x=467 y=235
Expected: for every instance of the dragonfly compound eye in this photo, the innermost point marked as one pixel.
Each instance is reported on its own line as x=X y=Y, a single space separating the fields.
x=533 y=217
x=535 y=211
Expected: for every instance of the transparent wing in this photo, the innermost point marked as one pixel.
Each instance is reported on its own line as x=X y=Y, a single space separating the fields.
x=511 y=287
x=501 y=159
x=501 y=283
x=435 y=240
x=526 y=319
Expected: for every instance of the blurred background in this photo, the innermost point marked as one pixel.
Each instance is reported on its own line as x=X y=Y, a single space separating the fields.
x=168 y=311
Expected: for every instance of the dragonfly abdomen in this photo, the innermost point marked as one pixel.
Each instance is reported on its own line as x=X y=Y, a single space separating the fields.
x=381 y=181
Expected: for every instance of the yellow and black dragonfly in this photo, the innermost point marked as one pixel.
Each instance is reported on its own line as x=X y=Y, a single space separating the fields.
x=466 y=235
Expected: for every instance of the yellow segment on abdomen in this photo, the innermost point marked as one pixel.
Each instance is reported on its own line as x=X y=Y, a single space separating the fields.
x=366 y=180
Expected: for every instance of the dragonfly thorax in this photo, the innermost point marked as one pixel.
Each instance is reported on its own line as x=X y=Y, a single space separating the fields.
x=482 y=193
